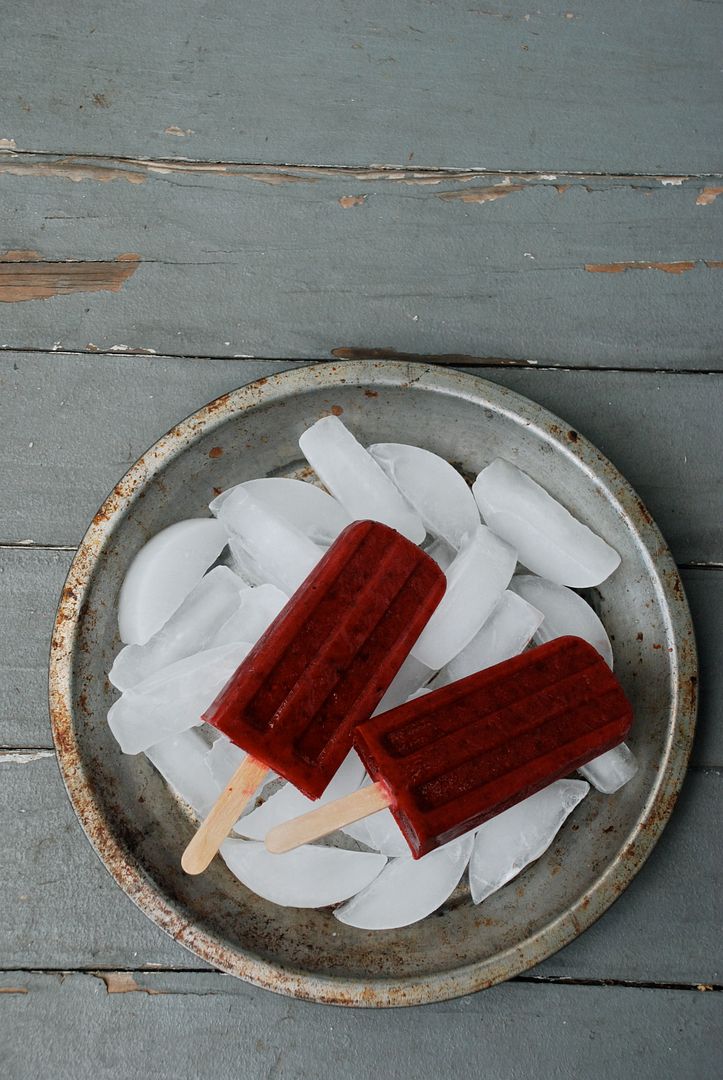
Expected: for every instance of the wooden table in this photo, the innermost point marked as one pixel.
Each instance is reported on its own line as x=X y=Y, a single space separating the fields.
x=195 y=195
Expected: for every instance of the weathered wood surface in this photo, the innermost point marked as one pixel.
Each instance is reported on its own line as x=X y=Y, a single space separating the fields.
x=30 y=584
x=614 y=87
x=62 y=909
x=72 y=425
x=186 y=1027
x=213 y=260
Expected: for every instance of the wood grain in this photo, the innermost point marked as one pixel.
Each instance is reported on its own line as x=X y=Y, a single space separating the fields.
x=578 y=271
x=615 y=87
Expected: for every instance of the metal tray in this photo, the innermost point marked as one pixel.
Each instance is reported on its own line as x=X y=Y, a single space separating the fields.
x=139 y=829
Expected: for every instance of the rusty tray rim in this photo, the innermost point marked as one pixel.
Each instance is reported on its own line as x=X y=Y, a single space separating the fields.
x=374 y=992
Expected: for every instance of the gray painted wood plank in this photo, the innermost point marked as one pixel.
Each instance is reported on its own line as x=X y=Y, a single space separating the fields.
x=191 y=1026
x=31 y=580
x=577 y=271
x=599 y=87
x=89 y=418
x=63 y=910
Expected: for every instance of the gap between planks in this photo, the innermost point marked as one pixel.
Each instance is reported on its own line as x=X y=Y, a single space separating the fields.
x=127 y=979
x=361 y=172
x=451 y=360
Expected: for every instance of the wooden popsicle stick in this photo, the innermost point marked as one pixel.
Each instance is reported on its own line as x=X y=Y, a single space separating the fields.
x=224 y=813
x=325 y=819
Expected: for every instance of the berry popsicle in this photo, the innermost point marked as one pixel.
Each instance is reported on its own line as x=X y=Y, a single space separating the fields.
x=447 y=762
x=321 y=667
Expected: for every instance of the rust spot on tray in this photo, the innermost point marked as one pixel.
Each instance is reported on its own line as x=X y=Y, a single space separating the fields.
x=479 y=194
x=336 y=410
x=573 y=435
x=619 y=268
x=714 y=264
x=216 y=452
x=371 y=393
x=39 y=279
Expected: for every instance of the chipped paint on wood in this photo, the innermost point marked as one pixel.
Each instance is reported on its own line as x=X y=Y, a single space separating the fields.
x=708 y=195
x=24 y=757
x=38 y=279
x=480 y=194
x=7 y=144
x=69 y=169
x=122 y=982
x=347 y=201
x=619 y=268
x=14 y=990
x=21 y=255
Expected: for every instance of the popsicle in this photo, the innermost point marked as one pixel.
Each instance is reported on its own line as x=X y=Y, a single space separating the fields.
x=321 y=667
x=447 y=762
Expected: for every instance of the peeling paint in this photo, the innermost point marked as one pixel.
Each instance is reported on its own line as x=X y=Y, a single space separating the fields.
x=481 y=194
x=21 y=255
x=619 y=268
x=180 y=132
x=351 y=200
x=14 y=990
x=39 y=279
x=24 y=757
x=68 y=169
x=122 y=982
x=277 y=178
x=673 y=181
x=708 y=195
x=7 y=144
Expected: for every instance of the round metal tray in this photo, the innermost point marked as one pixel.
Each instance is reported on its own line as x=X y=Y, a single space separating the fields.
x=139 y=829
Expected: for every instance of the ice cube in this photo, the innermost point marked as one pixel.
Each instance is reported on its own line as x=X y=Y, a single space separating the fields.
x=353 y=476
x=288 y=802
x=609 y=772
x=379 y=832
x=565 y=613
x=441 y=552
x=257 y=609
x=282 y=555
x=433 y=487
x=309 y=877
x=412 y=675
x=408 y=889
x=509 y=842
x=548 y=539
x=181 y=762
x=475 y=582
x=506 y=633
x=173 y=699
x=303 y=506
x=163 y=573
x=189 y=630
x=223 y=759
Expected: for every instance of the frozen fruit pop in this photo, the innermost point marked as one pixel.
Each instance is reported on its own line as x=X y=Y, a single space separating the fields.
x=321 y=667
x=447 y=762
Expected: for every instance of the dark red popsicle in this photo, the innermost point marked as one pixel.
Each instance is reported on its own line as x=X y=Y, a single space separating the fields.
x=456 y=757
x=326 y=661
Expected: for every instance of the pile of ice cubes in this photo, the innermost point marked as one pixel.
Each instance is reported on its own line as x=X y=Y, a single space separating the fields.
x=200 y=594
